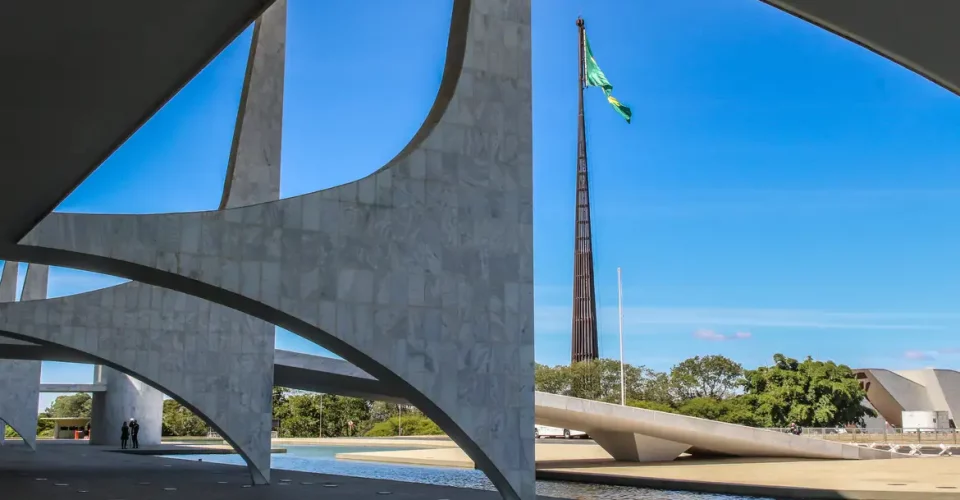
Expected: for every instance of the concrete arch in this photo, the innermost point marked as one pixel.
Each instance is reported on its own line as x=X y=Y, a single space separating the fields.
x=420 y=274
x=253 y=177
x=214 y=360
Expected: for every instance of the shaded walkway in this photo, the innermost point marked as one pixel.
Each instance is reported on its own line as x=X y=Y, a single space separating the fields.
x=103 y=475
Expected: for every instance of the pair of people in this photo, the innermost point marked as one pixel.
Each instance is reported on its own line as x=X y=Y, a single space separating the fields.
x=129 y=432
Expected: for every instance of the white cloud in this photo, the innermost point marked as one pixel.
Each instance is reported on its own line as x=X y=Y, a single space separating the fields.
x=713 y=335
x=739 y=202
x=929 y=355
x=556 y=319
x=919 y=355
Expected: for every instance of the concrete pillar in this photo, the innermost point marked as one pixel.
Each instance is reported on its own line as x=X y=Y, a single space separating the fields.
x=253 y=170
x=19 y=396
x=125 y=398
x=253 y=176
x=8 y=281
x=20 y=380
x=630 y=447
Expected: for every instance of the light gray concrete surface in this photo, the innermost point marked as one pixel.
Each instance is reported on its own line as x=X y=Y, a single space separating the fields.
x=420 y=274
x=20 y=379
x=125 y=398
x=216 y=361
x=19 y=393
x=891 y=393
x=253 y=171
x=632 y=447
x=73 y=388
x=927 y=389
x=701 y=435
x=8 y=281
x=327 y=375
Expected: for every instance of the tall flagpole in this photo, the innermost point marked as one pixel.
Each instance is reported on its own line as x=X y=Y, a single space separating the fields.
x=584 y=342
x=623 y=387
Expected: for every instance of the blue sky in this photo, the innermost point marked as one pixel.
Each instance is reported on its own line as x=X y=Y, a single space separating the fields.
x=780 y=189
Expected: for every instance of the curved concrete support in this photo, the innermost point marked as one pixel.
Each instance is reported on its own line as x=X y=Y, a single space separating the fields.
x=420 y=274
x=253 y=171
x=917 y=35
x=19 y=394
x=631 y=447
x=35 y=282
x=253 y=177
x=125 y=398
x=8 y=281
x=19 y=379
x=216 y=361
x=307 y=372
x=700 y=435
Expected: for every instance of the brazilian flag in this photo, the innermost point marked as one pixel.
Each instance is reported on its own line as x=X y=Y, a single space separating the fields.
x=596 y=78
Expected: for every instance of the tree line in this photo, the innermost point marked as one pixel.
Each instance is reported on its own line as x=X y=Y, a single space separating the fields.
x=809 y=393
x=302 y=414
x=296 y=413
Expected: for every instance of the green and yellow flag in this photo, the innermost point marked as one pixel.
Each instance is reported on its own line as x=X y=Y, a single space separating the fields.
x=596 y=78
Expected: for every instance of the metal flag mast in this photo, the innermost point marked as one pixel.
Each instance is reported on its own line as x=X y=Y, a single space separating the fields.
x=584 y=344
x=623 y=387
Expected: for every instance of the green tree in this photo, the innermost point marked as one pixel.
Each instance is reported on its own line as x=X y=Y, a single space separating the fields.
x=552 y=379
x=44 y=427
x=73 y=405
x=338 y=411
x=415 y=425
x=810 y=393
x=712 y=376
x=735 y=410
x=599 y=380
x=279 y=399
x=382 y=410
x=180 y=421
x=652 y=405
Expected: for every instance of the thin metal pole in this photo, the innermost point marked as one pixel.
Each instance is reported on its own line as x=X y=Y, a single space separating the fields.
x=399 y=420
x=321 y=415
x=623 y=386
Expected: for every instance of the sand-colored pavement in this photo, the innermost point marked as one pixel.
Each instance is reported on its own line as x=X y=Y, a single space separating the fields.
x=928 y=478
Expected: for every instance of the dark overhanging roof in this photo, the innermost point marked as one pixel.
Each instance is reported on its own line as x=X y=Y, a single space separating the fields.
x=919 y=35
x=81 y=76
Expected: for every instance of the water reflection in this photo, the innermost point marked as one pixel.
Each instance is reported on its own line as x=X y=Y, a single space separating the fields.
x=321 y=459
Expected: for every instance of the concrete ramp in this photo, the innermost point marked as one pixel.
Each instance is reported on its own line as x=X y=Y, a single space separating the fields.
x=636 y=434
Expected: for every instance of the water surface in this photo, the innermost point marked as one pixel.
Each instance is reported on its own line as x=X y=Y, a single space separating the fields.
x=321 y=459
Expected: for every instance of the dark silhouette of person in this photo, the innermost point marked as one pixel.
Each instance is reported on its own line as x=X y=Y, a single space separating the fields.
x=134 y=432
x=124 y=435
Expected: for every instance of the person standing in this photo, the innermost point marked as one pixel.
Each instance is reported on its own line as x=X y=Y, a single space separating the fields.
x=124 y=435
x=134 y=432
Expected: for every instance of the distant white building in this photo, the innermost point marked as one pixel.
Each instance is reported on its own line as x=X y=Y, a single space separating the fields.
x=893 y=392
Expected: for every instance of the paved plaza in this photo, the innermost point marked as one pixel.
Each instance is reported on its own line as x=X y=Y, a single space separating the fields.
x=79 y=471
